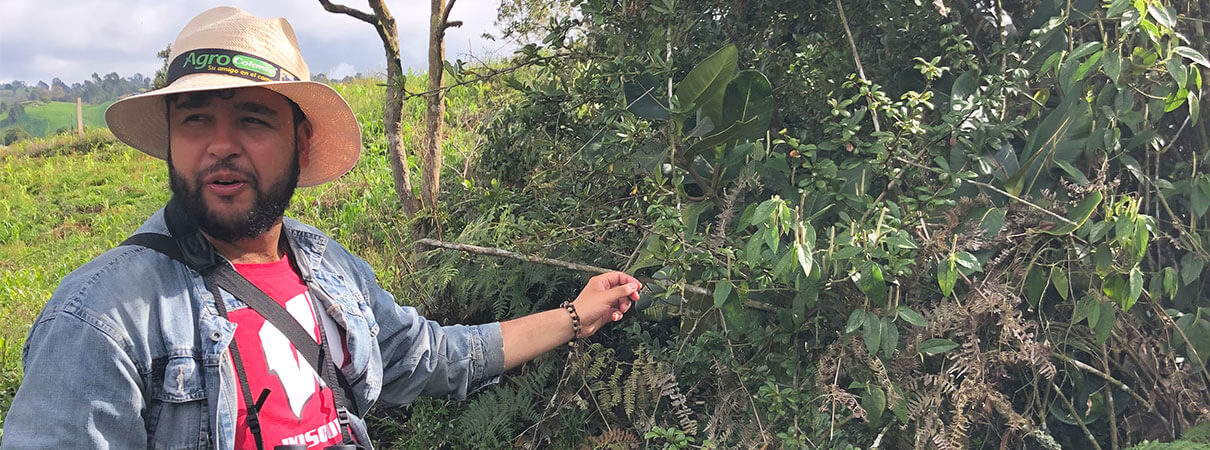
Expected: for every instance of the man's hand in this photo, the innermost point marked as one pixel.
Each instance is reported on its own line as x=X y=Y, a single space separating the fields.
x=605 y=299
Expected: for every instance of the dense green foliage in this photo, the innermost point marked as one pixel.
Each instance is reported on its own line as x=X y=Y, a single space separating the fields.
x=993 y=235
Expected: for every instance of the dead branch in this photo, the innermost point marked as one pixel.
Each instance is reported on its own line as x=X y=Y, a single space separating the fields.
x=341 y=9
x=445 y=18
x=493 y=251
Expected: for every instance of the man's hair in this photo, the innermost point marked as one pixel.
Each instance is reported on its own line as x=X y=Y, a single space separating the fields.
x=170 y=99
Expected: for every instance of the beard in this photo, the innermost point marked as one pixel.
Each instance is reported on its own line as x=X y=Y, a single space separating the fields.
x=268 y=205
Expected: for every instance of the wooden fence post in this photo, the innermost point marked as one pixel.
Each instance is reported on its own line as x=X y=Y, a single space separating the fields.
x=79 y=117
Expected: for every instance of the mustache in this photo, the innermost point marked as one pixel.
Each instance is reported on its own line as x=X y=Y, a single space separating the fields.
x=227 y=165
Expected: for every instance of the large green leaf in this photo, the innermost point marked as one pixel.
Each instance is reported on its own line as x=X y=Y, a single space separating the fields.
x=871 y=283
x=890 y=338
x=1191 y=268
x=872 y=333
x=1162 y=14
x=1193 y=55
x=1112 y=65
x=1170 y=282
x=1116 y=288
x=1084 y=309
x=911 y=316
x=1058 y=278
x=731 y=133
x=1136 y=288
x=856 y=320
x=947 y=275
x=874 y=403
x=749 y=95
x=703 y=86
x=1105 y=323
x=1059 y=135
x=965 y=86
x=1117 y=7
x=967 y=263
x=722 y=290
x=1035 y=284
x=936 y=345
x=1197 y=330
x=643 y=97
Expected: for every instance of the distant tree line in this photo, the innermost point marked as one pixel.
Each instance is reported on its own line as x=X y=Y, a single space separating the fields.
x=96 y=90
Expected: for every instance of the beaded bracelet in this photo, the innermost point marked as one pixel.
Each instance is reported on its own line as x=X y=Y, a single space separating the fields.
x=575 y=322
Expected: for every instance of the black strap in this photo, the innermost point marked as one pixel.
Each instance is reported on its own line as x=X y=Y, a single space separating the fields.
x=252 y=408
x=224 y=276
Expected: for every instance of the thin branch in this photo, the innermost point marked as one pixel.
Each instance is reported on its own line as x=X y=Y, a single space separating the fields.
x=860 y=71
x=341 y=9
x=1113 y=410
x=493 y=251
x=484 y=77
x=1075 y=415
x=445 y=17
x=1114 y=381
x=1019 y=199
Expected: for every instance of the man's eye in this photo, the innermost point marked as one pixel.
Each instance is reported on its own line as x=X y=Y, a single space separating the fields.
x=255 y=121
x=193 y=118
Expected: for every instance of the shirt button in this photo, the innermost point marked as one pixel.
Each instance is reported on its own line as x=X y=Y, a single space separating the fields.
x=216 y=335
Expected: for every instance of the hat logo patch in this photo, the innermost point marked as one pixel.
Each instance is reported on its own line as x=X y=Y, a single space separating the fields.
x=227 y=62
x=255 y=65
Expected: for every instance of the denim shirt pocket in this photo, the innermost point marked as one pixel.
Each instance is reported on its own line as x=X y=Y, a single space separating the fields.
x=351 y=310
x=176 y=410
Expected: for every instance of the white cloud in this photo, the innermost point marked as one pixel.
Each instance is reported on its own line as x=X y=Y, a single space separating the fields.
x=104 y=36
x=341 y=70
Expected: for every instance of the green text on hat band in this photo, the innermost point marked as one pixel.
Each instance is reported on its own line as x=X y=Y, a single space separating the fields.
x=227 y=62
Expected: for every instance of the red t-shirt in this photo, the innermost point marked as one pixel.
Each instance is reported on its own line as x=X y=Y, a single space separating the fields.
x=300 y=408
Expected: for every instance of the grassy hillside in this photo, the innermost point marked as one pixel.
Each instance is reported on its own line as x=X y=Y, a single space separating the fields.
x=60 y=207
x=45 y=118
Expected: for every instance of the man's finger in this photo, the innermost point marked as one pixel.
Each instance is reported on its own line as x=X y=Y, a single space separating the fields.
x=612 y=279
x=623 y=291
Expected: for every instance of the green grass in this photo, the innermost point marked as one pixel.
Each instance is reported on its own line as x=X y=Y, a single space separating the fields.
x=57 y=211
x=45 y=118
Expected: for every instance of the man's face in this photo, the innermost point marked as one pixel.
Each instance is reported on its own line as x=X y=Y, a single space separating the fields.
x=234 y=159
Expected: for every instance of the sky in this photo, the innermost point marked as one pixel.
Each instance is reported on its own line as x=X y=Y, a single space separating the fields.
x=72 y=39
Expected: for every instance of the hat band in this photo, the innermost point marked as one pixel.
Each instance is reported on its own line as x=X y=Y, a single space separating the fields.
x=227 y=62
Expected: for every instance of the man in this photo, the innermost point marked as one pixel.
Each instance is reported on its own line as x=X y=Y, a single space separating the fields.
x=155 y=344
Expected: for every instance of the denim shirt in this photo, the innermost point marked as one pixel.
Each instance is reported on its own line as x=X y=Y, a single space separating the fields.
x=130 y=351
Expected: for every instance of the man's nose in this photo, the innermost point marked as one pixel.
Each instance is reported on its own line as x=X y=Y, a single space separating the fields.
x=223 y=140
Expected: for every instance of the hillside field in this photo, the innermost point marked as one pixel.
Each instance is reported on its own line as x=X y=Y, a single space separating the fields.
x=45 y=118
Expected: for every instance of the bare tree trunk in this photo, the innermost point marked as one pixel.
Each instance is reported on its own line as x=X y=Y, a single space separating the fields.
x=392 y=116
x=434 y=114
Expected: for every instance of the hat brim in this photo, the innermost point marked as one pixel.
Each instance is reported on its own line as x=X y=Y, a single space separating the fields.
x=141 y=121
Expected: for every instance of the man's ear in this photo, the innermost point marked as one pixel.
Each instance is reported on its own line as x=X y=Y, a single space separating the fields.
x=303 y=133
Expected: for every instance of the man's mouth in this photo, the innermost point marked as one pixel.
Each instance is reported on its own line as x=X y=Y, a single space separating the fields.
x=225 y=183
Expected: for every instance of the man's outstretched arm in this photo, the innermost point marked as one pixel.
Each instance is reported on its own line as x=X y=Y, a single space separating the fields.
x=604 y=299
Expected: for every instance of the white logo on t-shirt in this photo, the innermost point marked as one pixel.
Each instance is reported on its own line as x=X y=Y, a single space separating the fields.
x=297 y=376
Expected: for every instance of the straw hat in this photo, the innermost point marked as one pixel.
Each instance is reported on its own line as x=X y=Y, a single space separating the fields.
x=228 y=48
